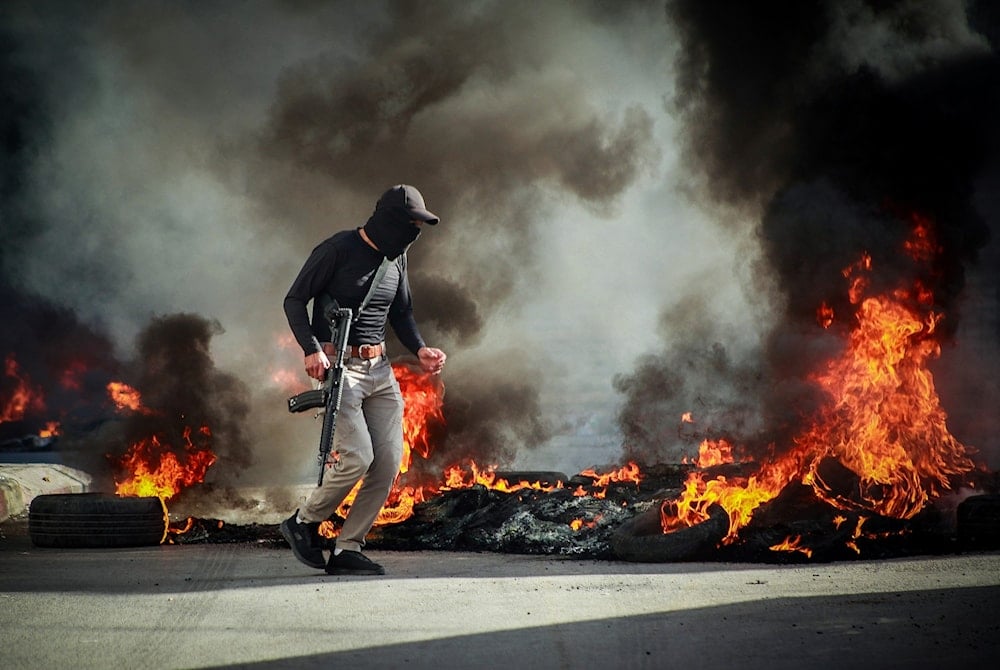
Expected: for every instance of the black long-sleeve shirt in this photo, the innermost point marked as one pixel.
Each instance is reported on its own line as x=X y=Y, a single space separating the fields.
x=343 y=267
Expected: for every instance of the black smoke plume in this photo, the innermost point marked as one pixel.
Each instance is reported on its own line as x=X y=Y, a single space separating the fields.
x=828 y=125
x=183 y=389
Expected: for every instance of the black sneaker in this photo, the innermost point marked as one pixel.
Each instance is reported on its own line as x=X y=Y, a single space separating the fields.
x=352 y=563
x=299 y=537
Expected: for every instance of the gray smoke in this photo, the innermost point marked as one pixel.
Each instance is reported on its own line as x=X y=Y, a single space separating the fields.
x=169 y=159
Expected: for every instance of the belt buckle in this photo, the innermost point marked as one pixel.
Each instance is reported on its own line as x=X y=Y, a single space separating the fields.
x=366 y=351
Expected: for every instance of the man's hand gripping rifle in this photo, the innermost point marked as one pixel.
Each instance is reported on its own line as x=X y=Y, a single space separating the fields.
x=329 y=395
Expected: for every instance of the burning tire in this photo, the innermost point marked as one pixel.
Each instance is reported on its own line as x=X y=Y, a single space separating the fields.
x=96 y=520
x=641 y=538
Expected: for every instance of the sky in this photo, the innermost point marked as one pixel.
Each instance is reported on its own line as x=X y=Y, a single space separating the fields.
x=635 y=198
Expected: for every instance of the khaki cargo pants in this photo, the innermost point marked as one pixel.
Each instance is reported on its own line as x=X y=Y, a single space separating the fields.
x=368 y=444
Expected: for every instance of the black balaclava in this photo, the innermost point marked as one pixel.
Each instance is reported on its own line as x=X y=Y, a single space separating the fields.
x=390 y=226
x=392 y=230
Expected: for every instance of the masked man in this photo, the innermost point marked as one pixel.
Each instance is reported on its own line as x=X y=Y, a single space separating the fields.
x=368 y=441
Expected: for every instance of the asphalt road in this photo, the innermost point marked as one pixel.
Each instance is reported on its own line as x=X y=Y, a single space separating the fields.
x=246 y=605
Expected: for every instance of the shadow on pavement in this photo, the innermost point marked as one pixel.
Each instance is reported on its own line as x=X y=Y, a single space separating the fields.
x=913 y=630
x=183 y=568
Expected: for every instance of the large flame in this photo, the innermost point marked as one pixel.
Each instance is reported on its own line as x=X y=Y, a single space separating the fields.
x=882 y=420
x=885 y=422
x=153 y=467
x=156 y=469
x=423 y=396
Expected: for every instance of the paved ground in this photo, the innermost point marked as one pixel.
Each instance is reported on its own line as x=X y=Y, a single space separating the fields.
x=245 y=605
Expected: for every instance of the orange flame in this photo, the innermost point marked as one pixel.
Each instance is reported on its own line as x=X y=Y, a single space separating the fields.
x=153 y=469
x=824 y=315
x=423 y=399
x=714 y=452
x=792 y=544
x=883 y=420
x=423 y=396
x=922 y=245
x=457 y=477
x=859 y=283
x=626 y=473
x=739 y=497
x=397 y=508
x=125 y=397
x=577 y=524
x=23 y=398
x=327 y=529
x=51 y=429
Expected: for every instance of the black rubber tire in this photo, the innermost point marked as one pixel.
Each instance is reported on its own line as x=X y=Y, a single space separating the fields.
x=96 y=520
x=979 y=522
x=641 y=539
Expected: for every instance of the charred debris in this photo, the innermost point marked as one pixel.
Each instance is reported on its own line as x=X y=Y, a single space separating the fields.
x=570 y=517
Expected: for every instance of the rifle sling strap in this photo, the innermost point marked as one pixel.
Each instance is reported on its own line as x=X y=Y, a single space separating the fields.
x=379 y=275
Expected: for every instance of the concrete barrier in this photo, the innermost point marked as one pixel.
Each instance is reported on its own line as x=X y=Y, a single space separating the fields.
x=21 y=482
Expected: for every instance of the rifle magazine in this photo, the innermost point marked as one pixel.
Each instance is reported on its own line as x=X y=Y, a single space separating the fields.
x=307 y=400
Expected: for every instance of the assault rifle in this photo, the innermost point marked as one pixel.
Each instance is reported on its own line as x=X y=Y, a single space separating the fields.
x=331 y=392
